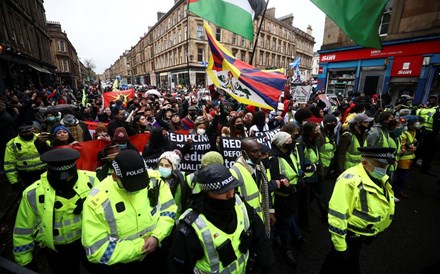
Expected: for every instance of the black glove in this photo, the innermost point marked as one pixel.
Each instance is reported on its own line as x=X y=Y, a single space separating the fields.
x=341 y=257
x=32 y=266
x=18 y=187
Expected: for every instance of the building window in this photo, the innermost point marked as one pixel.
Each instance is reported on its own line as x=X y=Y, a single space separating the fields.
x=61 y=46
x=261 y=41
x=243 y=56
x=268 y=43
x=386 y=18
x=200 y=32
x=218 y=34
x=234 y=39
x=178 y=15
x=234 y=52
x=64 y=65
x=185 y=32
x=200 y=55
x=180 y=35
x=243 y=42
x=261 y=58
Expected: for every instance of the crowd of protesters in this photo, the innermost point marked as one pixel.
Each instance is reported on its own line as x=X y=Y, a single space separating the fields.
x=318 y=141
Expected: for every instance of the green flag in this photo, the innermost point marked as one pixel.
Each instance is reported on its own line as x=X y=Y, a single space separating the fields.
x=359 y=19
x=234 y=15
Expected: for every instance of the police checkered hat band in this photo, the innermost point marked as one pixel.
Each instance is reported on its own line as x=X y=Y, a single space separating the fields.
x=216 y=185
x=382 y=154
x=62 y=168
x=217 y=179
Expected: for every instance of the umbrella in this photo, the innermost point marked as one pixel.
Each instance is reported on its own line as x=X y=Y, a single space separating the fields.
x=58 y=108
x=153 y=92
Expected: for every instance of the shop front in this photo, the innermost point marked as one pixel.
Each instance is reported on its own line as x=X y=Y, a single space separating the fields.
x=401 y=67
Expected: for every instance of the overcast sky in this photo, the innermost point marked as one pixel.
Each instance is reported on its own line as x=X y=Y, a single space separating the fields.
x=101 y=30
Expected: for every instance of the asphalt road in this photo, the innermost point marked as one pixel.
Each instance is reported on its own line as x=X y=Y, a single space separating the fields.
x=410 y=245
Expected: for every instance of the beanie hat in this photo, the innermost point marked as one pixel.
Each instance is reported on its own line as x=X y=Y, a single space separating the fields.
x=411 y=119
x=329 y=118
x=404 y=112
x=200 y=120
x=212 y=157
x=120 y=135
x=172 y=157
x=58 y=128
x=100 y=128
x=280 y=138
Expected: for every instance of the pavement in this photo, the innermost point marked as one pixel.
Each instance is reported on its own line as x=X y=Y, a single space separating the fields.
x=410 y=245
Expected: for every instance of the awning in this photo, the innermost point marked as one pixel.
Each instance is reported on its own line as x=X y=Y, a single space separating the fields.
x=40 y=69
x=407 y=80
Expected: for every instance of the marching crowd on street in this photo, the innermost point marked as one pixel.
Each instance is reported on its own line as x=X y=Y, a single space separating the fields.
x=128 y=214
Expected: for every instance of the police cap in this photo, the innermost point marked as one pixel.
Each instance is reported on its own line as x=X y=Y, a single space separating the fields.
x=382 y=154
x=217 y=179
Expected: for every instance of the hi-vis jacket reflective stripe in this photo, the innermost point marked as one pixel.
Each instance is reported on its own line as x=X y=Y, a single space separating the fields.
x=408 y=139
x=327 y=152
x=395 y=143
x=428 y=115
x=359 y=205
x=211 y=237
x=249 y=189
x=116 y=222
x=21 y=155
x=36 y=216
x=352 y=156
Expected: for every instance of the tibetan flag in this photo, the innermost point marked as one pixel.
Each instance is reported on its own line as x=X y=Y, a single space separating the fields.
x=359 y=19
x=234 y=15
x=245 y=83
x=124 y=95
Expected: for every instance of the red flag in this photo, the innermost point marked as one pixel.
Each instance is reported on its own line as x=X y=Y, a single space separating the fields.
x=124 y=95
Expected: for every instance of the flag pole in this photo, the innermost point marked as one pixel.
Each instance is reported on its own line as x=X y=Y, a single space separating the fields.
x=187 y=47
x=258 y=33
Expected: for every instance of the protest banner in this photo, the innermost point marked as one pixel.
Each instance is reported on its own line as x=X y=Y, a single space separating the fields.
x=302 y=93
x=265 y=137
x=88 y=150
x=152 y=161
x=200 y=145
x=231 y=150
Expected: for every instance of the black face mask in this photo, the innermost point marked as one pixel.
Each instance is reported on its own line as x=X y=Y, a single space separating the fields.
x=220 y=205
x=266 y=162
x=391 y=125
x=239 y=126
x=363 y=128
x=27 y=137
x=61 y=184
x=290 y=146
x=192 y=115
x=330 y=128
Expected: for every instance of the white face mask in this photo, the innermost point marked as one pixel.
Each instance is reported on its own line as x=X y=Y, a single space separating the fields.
x=201 y=131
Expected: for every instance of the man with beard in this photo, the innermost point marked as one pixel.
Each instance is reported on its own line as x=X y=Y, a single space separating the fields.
x=347 y=154
x=22 y=160
x=217 y=234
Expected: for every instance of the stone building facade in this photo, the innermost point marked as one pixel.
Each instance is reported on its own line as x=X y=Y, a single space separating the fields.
x=25 y=57
x=175 y=50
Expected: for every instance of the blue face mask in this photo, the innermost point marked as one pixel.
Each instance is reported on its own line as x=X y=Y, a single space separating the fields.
x=165 y=172
x=378 y=172
x=122 y=146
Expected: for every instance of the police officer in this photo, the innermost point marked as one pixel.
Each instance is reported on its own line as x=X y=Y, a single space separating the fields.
x=361 y=206
x=127 y=216
x=22 y=160
x=431 y=116
x=218 y=233
x=50 y=213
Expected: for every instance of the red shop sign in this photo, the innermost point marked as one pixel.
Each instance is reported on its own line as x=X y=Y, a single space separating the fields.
x=417 y=48
x=406 y=66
